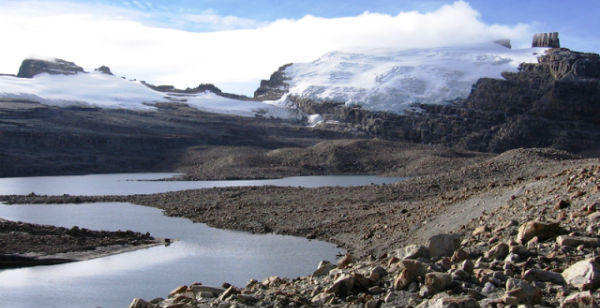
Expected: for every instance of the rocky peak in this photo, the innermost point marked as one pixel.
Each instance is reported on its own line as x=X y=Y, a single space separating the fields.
x=104 y=70
x=504 y=42
x=275 y=87
x=32 y=67
x=549 y=39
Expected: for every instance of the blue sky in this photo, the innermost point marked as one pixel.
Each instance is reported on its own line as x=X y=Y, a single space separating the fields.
x=236 y=43
x=578 y=20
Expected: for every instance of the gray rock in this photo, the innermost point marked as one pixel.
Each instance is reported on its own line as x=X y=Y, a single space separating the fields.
x=426 y=291
x=246 y=299
x=140 y=303
x=488 y=288
x=579 y=300
x=203 y=291
x=523 y=291
x=322 y=298
x=443 y=245
x=415 y=252
x=450 y=302
x=342 y=286
x=535 y=274
x=376 y=273
x=32 y=67
x=498 y=252
x=574 y=241
x=584 y=274
x=104 y=70
x=323 y=268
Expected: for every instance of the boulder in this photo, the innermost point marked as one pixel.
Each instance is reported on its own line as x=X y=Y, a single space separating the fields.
x=523 y=291
x=443 y=245
x=535 y=274
x=179 y=291
x=579 y=300
x=438 y=281
x=415 y=252
x=450 y=302
x=323 y=269
x=322 y=298
x=228 y=293
x=541 y=230
x=498 y=252
x=344 y=261
x=376 y=273
x=246 y=299
x=411 y=270
x=140 y=303
x=584 y=274
x=203 y=291
x=342 y=286
x=574 y=241
x=32 y=67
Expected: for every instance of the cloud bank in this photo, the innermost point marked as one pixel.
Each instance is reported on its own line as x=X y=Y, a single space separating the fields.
x=234 y=60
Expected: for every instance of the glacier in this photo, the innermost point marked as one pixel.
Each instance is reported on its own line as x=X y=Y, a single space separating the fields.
x=393 y=81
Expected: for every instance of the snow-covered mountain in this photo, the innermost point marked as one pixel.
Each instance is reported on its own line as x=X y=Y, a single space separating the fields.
x=393 y=80
x=106 y=91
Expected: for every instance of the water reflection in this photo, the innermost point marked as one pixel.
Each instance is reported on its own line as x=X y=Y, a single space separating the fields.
x=203 y=254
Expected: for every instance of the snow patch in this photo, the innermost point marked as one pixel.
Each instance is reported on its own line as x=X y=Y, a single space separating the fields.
x=106 y=91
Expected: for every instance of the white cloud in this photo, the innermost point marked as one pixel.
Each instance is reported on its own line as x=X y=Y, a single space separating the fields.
x=235 y=60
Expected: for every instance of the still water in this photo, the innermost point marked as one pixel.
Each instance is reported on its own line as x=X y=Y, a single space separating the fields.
x=208 y=255
x=201 y=254
x=140 y=183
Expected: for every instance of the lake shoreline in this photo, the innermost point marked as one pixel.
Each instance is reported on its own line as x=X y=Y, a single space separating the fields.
x=26 y=244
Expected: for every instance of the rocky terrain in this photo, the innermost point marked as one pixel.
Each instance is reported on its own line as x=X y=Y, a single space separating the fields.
x=535 y=243
x=340 y=156
x=24 y=244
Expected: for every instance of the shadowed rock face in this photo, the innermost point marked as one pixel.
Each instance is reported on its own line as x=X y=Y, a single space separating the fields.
x=275 y=87
x=32 y=67
x=546 y=40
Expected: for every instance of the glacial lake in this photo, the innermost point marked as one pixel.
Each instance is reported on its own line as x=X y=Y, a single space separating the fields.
x=201 y=254
x=142 y=183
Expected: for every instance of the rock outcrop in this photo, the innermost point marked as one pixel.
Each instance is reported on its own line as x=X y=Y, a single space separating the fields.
x=203 y=87
x=275 y=87
x=32 y=67
x=104 y=70
x=549 y=39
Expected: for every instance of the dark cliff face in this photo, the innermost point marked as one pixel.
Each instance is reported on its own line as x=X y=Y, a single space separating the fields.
x=549 y=39
x=275 y=87
x=32 y=67
x=553 y=103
